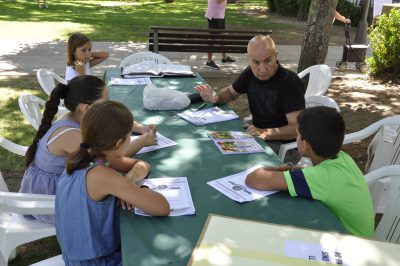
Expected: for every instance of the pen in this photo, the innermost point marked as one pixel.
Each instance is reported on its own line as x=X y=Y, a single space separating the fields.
x=201 y=106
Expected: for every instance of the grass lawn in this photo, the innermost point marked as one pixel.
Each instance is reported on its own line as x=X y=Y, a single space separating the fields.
x=118 y=20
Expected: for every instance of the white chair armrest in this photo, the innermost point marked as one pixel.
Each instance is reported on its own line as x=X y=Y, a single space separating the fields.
x=284 y=149
x=13 y=147
x=368 y=131
x=385 y=171
x=23 y=203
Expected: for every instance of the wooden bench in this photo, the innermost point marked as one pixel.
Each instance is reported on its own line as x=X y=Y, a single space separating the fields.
x=173 y=39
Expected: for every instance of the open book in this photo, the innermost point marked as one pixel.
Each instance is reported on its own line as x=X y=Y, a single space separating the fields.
x=162 y=142
x=234 y=187
x=156 y=70
x=208 y=116
x=235 y=142
x=175 y=190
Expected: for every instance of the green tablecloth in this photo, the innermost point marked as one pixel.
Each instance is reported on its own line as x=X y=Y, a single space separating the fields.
x=170 y=240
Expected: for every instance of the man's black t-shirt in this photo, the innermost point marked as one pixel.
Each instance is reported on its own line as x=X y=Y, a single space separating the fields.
x=270 y=100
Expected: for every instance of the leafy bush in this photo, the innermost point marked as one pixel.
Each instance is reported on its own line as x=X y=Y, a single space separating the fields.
x=287 y=7
x=304 y=7
x=271 y=5
x=385 y=38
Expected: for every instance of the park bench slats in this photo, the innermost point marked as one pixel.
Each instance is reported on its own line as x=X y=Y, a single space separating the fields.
x=176 y=39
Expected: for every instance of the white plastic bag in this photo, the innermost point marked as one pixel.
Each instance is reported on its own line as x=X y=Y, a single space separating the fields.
x=164 y=99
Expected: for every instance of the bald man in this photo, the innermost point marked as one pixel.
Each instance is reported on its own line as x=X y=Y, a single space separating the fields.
x=275 y=94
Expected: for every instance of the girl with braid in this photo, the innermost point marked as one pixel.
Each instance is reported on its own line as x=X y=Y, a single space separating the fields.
x=87 y=216
x=53 y=142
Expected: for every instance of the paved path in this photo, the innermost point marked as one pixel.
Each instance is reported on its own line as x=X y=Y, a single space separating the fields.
x=24 y=57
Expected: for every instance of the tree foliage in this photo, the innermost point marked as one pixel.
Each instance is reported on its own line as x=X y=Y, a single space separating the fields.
x=385 y=42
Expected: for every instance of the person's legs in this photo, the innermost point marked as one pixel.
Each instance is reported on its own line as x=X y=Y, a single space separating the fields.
x=209 y=57
x=212 y=24
x=38 y=3
x=225 y=57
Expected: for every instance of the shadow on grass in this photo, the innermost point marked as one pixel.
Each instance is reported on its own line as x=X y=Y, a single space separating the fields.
x=126 y=22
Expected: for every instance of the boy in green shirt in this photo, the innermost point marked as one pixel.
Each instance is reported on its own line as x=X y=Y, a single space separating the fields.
x=335 y=179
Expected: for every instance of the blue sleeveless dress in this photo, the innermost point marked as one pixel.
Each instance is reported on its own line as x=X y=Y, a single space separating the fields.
x=87 y=230
x=45 y=170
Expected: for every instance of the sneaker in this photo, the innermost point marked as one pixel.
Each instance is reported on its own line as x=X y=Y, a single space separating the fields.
x=228 y=60
x=212 y=65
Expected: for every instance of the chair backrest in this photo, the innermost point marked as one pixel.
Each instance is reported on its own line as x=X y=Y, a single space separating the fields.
x=319 y=79
x=31 y=106
x=47 y=79
x=312 y=101
x=389 y=227
x=144 y=57
x=384 y=148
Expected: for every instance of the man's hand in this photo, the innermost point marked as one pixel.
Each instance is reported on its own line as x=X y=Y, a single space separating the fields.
x=206 y=93
x=257 y=132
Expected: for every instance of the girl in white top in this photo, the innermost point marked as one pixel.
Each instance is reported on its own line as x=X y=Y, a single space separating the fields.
x=80 y=57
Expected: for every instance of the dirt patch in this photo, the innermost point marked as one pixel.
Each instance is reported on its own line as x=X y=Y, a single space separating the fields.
x=362 y=101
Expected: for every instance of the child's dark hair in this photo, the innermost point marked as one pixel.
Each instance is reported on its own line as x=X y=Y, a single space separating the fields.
x=81 y=89
x=76 y=40
x=103 y=124
x=323 y=127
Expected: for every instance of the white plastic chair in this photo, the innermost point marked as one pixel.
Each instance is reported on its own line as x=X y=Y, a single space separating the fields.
x=319 y=80
x=389 y=228
x=16 y=230
x=311 y=101
x=144 y=57
x=47 y=79
x=31 y=106
x=53 y=261
x=13 y=147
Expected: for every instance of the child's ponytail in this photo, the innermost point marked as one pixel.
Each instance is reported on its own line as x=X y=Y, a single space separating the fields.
x=79 y=159
x=81 y=89
x=50 y=110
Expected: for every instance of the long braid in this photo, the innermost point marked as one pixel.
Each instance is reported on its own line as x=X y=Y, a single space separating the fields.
x=51 y=109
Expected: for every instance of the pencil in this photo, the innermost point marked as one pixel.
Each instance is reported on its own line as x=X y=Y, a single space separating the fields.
x=201 y=106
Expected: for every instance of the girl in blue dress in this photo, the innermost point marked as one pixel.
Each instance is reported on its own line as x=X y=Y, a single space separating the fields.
x=87 y=216
x=55 y=140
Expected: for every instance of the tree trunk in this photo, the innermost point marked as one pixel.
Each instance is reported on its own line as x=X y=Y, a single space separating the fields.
x=316 y=36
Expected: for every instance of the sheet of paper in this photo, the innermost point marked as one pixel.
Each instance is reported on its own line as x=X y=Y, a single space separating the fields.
x=176 y=191
x=234 y=187
x=207 y=116
x=311 y=251
x=162 y=142
x=129 y=82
